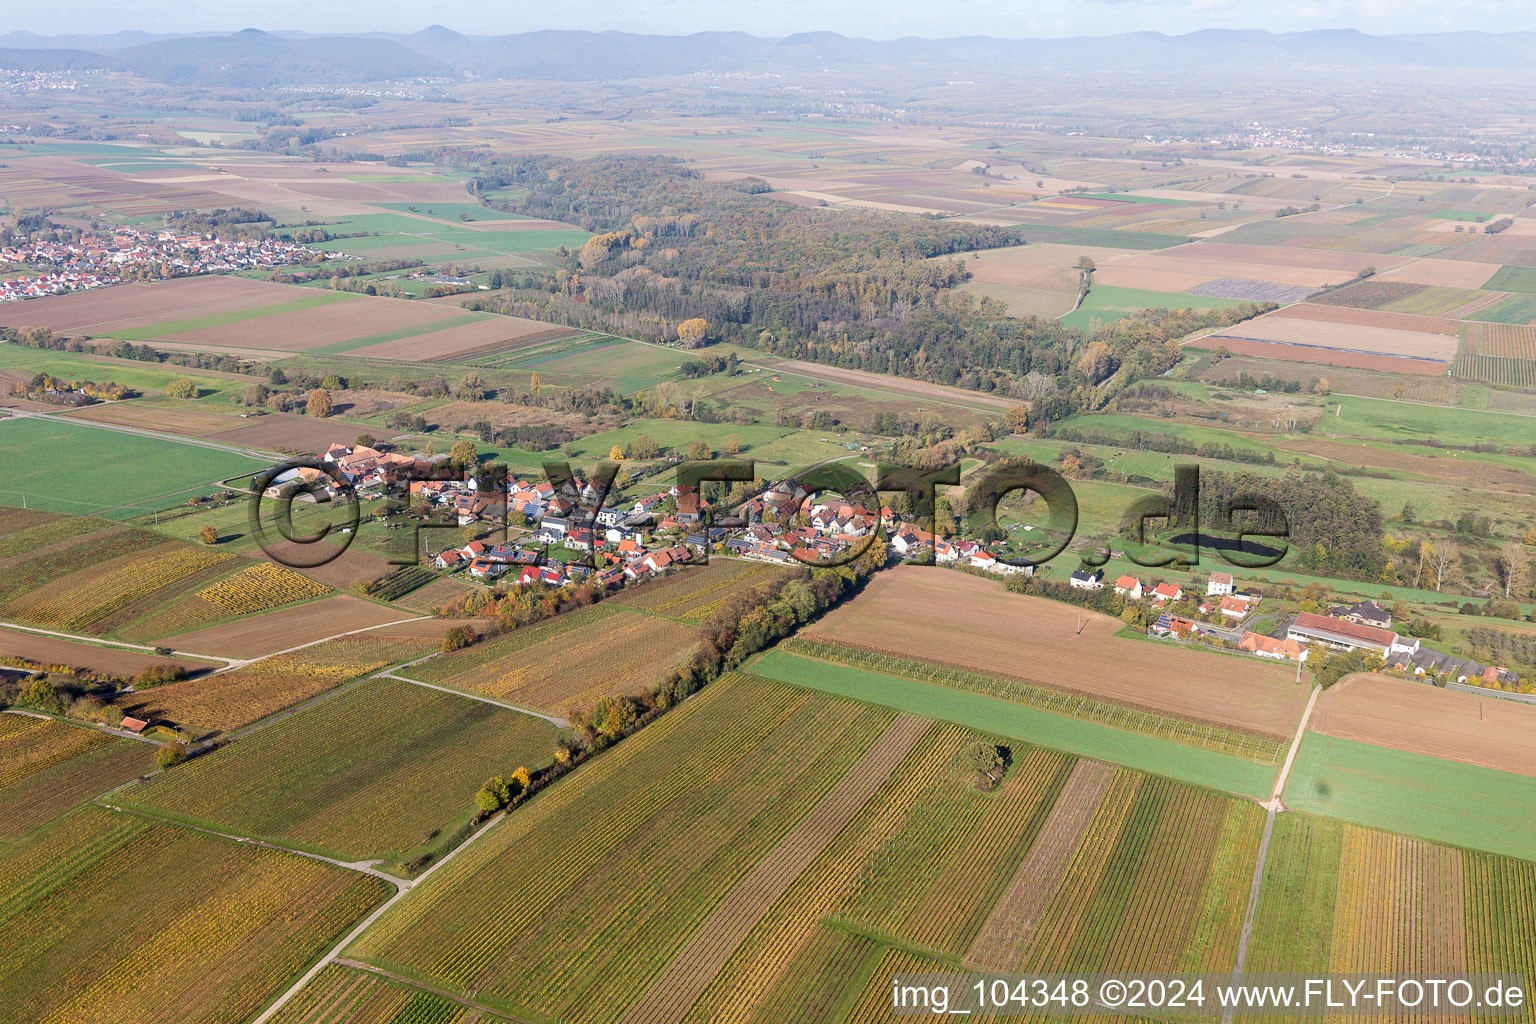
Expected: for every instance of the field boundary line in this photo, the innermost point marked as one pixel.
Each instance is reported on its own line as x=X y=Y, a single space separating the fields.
x=402 y=889
x=361 y=866
x=1272 y=807
x=236 y=663
x=121 y=644
x=674 y=989
x=419 y=986
x=559 y=723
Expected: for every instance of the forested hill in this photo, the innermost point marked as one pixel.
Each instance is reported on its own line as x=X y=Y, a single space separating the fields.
x=852 y=288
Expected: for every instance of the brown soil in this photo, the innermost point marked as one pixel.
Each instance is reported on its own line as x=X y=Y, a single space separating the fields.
x=924 y=612
x=1322 y=356
x=1487 y=731
x=52 y=650
x=256 y=635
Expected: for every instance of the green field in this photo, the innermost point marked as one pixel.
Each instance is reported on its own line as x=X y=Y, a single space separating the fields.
x=1468 y=215
x=1517 y=309
x=1443 y=801
x=1398 y=421
x=1512 y=279
x=1096 y=236
x=1126 y=197
x=451 y=212
x=134 y=375
x=1107 y=304
x=373 y=771
x=1134 y=750
x=236 y=316
x=69 y=467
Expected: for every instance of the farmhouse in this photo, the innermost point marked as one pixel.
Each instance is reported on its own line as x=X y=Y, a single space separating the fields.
x=1366 y=613
x=1128 y=586
x=1086 y=579
x=1269 y=647
x=1340 y=635
x=1165 y=592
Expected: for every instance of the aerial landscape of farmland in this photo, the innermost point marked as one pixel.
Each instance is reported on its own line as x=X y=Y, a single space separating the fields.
x=568 y=525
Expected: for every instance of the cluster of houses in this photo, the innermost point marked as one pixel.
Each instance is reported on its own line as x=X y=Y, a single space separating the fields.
x=104 y=259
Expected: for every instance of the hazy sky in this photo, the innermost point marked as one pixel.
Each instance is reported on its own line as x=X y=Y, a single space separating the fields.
x=878 y=19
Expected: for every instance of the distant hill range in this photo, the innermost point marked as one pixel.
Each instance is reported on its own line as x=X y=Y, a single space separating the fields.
x=255 y=58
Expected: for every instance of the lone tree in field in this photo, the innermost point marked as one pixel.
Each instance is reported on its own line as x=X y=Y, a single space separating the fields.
x=209 y=535
x=364 y=441
x=616 y=453
x=730 y=444
x=644 y=447
x=699 y=451
x=692 y=333
x=186 y=387
x=319 y=403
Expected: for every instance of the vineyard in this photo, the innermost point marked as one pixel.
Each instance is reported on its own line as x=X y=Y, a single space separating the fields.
x=47 y=767
x=696 y=594
x=347 y=995
x=154 y=919
x=1035 y=694
x=1340 y=897
x=233 y=699
x=1498 y=354
x=637 y=847
x=569 y=662
x=398 y=582
x=371 y=771
x=256 y=588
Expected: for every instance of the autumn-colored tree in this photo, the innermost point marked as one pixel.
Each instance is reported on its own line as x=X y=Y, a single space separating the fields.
x=691 y=333
x=464 y=454
x=731 y=445
x=1017 y=419
x=1530 y=536
x=170 y=754
x=319 y=403
x=535 y=385
x=699 y=450
x=616 y=453
x=184 y=387
x=1096 y=362
x=279 y=401
x=522 y=780
x=208 y=534
x=1321 y=388
x=644 y=447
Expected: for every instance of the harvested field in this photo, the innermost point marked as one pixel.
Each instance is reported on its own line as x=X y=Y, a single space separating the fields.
x=935 y=606
x=1191 y=260
x=256 y=635
x=1367 y=318
x=47 y=767
x=354 y=564
x=1128 y=274
x=305 y=329
x=1372 y=294
x=1448 y=273
x=884 y=383
x=1426 y=719
x=475 y=338
x=1284 y=256
x=280 y=431
x=150 y=417
x=1321 y=356
x=1252 y=291
x=1350 y=337
x=126 y=306
x=105 y=661
x=620 y=652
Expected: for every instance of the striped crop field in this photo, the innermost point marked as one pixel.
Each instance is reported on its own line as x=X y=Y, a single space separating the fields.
x=1338 y=897
x=347 y=995
x=158 y=922
x=374 y=770
x=695 y=594
x=1497 y=354
x=47 y=767
x=569 y=662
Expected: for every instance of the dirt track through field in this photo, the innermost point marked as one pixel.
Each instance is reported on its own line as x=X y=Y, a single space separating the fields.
x=882 y=382
x=678 y=985
x=1013 y=920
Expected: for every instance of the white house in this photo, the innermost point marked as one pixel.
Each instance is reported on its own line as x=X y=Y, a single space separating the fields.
x=1220 y=584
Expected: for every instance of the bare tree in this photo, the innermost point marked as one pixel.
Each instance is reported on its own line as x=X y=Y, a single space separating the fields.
x=1445 y=563
x=1514 y=568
